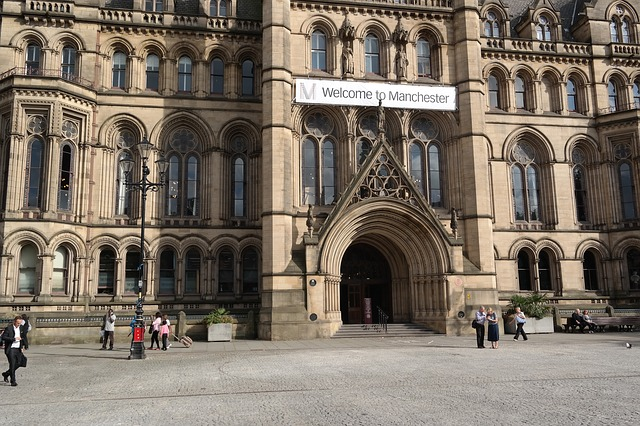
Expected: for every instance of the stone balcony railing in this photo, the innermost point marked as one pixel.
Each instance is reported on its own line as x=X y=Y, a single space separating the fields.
x=537 y=46
x=54 y=73
x=48 y=7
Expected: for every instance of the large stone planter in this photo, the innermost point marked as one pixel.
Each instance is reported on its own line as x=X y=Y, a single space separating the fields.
x=220 y=332
x=533 y=325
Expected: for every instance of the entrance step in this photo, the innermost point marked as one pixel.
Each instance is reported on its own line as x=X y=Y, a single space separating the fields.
x=374 y=330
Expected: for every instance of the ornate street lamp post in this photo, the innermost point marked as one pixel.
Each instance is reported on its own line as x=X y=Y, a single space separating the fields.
x=143 y=185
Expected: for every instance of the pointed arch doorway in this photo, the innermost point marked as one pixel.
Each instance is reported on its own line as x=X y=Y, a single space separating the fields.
x=365 y=273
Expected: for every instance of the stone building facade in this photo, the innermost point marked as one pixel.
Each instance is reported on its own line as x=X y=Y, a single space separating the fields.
x=422 y=157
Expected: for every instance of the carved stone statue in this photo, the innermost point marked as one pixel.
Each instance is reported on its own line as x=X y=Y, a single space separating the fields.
x=454 y=223
x=310 y=220
x=380 y=117
x=401 y=62
x=347 y=59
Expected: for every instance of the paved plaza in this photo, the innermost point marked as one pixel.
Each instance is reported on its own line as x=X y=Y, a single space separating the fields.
x=567 y=379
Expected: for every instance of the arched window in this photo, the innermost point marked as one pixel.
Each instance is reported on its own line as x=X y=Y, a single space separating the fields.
x=123 y=199
x=543 y=29
x=328 y=192
x=60 y=276
x=239 y=179
x=167 y=272
x=309 y=171
x=612 y=90
x=248 y=82
x=424 y=58
x=225 y=271
x=571 y=96
x=625 y=28
x=416 y=162
x=371 y=54
x=633 y=268
x=318 y=50
x=580 y=192
x=34 y=173
x=223 y=8
x=491 y=25
x=107 y=271
x=620 y=27
x=544 y=271
x=525 y=186
x=68 y=62
x=524 y=271
x=27 y=276
x=521 y=94
x=32 y=62
x=636 y=94
x=184 y=74
x=217 y=76
x=435 y=184
x=153 y=5
x=192 y=265
x=65 y=178
x=213 y=8
x=590 y=271
x=250 y=271
x=613 y=28
x=494 y=92
x=153 y=72
x=132 y=271
x=318 y=161
x=118 y=70
x=183 y=175
x=627 y=191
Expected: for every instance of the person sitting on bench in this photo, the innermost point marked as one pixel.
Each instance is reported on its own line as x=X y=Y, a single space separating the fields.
x=589 y=321
x=577 y=320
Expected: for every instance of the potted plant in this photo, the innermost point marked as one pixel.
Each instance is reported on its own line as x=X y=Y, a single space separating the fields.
x=537 y=310
x=219 y=325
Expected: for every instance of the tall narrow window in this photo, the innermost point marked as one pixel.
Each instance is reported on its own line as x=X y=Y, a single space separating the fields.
x=416 y=161
x=625 y=30
x=60 y=276
x=107 y=271
x=167 y=272
x=34 y=174
x=318 y=50
x=491 y=25
x=328 y=173
x=192 y=205
x=132 y=266
x=371 y=54
x=225 y=271
x=533 y=193
x=580 y=193
x=525 y=184
x=520 y=93
x=184 y=74
x=173 y=186
x=32 y=63
x=213 y=8
x=633 y=268
x=68 y=62
x=518 y=192
x=494 y=92
x=123 y=200
x=118 y=70
x=543 y=29
x=612 y=90
x=248 y=78
x=223 y=8
x=424 y=58
x=524 y=271
x=613 y=28
x=627 y=191
x=636 y=94
x=153 y=5
x=250 y=271
x=239 y=186
x=192 y=271
x=183 y=175
x=65 y=178
x=590 y=271
x=571 y=96
x=435 y=184
x=309 y=171
x=544 y=272
x=27 y=272
x=217 y=77
x=363 y=149
x=153 y=72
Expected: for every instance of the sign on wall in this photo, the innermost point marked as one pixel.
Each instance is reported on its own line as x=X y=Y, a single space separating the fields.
x=354 y=93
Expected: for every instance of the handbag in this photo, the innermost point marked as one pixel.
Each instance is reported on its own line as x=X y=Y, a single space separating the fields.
x=22 y=362
x=474 y=324
x=101 y=335
x=151 y=329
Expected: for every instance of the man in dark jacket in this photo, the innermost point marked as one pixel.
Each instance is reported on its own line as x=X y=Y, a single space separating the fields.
x=13 y=338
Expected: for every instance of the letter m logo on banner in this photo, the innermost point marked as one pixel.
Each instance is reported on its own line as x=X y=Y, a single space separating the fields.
x=307 y=95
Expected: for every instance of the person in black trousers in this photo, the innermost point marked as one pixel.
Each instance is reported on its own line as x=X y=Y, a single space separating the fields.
x=13 y=338
x=481 y=318
x=27 y=328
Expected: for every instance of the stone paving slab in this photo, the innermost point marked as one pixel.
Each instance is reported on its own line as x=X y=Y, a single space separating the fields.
x=567 y=379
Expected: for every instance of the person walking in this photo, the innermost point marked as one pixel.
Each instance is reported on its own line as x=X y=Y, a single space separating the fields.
x=493 y=332
x=27 y=328
x=164 y=330
x=109 y=329
x=520 y=320
x=13 y=338
x=481 y=318
x=155 y=330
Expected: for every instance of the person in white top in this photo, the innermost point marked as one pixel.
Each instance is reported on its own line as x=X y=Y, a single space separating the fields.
x=109 y=329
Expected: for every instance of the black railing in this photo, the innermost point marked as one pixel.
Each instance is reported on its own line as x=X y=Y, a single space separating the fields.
x=39 y=72
x=383 y=318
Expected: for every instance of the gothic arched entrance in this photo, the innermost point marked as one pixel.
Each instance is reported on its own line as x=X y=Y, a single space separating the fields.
x=365 y=275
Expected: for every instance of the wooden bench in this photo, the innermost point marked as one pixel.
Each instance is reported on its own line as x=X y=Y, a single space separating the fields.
x=623 y=322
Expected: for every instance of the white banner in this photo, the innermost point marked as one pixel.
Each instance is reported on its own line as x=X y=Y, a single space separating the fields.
x=334 y=92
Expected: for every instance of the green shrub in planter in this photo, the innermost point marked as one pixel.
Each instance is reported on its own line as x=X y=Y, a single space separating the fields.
x=534 y=305
x=217 y=316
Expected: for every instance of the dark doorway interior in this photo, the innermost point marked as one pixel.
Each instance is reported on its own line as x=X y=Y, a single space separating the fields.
x=365 y=274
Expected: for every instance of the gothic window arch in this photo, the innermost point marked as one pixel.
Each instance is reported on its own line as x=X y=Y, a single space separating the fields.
x=70 y=134
x=132 y=264
x=153 y=72
x=250 y=271
x=425 y=160
x=68 y=62
x=182 y=186
x=536 y=274
x=372 y=54
x=32 y=60
x=217 y=76
x=118 y=69
x=494 y=89
x=248 y=78
x=125 y=140
x=545 y=271
x=28 y=269
x=319 y=168
x=424 y=57
x=492 y=24
x=572 y=96
x=35 y=173
x=590 y=270
x=580 y=192
x=106 y=271
x=185 y=76
x=167 y=271
x=614 y=94
x=520 y=87
x=525 y=277
x=525 y=183
x=318 y=50
x=621 y=26
x=543 y=28
x=60 y=276
x=626 y=179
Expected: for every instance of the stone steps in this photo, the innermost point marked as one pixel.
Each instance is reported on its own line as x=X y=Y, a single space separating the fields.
x=374 y=330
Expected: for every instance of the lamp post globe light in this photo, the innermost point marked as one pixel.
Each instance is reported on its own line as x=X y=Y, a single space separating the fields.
x=143 y=185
